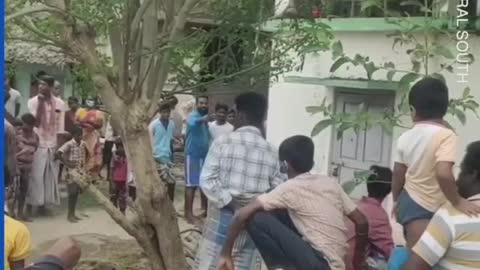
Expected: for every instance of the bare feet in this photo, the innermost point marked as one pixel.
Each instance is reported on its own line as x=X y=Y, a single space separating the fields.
x=203 y=214
x=72 y=219
x=194 y=220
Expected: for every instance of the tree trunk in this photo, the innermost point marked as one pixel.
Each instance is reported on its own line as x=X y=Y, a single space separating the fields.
x=159 y=234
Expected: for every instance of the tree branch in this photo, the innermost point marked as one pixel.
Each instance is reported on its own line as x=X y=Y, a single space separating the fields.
x=31 y=40
x=163 y=65
x=241 y=72
x=116 y=215
x=30 y=26
x=135 y=26
x=33 y=10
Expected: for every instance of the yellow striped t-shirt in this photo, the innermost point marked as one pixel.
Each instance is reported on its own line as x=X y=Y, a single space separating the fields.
x=452 y=240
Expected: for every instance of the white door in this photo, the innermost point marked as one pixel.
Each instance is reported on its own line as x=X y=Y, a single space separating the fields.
x=357 y=151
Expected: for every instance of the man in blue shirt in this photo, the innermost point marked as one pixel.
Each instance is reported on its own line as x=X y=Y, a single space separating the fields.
x=196 y=149
x=162 y=135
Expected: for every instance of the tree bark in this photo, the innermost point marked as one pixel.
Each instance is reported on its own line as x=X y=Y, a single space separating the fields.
x=159 y=216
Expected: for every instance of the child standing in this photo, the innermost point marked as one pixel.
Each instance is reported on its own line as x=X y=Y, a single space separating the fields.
x=119 y=177
x=73 y=154
x=423 y=172
x=27 y=144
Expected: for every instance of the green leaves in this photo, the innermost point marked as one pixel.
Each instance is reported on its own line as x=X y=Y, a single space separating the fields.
x=349 y=186
x=320 y=126
x=411 y=3
x=314 y=109
x=407 y=79
x=337 y=49
x=443 y=51
x=339 y=62
x=466 y=92
x=370 y=68
x=390 y=74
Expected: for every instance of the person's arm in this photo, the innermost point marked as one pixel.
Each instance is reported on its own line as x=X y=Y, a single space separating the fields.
x=445 y=159
x=361 y=238
x=277 y=178
x=282 y=197
x=61 y=117
x=17 y=265
x=62 y=154
x=151 y=131
x=361 y=229
x=63 y=255
x=22 y=248
x=238 y=224
x=17 y=106
x=433 y=244
x=398 y=179
x=195 y=119
x=210 y=182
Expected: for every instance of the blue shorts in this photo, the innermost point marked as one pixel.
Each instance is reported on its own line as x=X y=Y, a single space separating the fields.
x=409 y=210
x=193 y=169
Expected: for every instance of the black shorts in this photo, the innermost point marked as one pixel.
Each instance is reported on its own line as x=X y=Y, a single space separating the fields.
x=107 y=152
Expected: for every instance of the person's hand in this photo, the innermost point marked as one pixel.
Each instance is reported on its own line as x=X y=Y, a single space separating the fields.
x=225 y=263
x=467 y=207
x=233 y=206
x=67 y=251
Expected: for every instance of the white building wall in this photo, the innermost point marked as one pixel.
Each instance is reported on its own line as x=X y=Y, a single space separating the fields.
x=287 y=101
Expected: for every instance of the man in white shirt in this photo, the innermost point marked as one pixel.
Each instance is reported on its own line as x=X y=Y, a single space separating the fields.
x=220 y=126
x=12 y=105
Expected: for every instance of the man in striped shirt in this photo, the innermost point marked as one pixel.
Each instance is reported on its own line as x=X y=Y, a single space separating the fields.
x=452 y=239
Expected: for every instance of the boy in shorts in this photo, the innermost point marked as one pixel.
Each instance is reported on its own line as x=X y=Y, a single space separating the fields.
x=73 y=154
x=423 y=177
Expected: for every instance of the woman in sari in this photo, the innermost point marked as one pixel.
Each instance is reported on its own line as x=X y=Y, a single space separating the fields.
x=91 y=120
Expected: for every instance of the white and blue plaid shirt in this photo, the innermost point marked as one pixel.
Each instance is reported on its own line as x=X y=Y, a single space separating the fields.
x=240 y=166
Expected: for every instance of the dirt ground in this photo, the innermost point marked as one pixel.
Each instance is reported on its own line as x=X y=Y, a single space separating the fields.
x=104 y=244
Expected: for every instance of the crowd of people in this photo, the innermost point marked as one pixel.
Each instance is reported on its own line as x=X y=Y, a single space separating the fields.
x=257 y=199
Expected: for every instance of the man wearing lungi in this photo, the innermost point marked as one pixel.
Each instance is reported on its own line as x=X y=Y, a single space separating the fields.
x=50 y=114
x=239 y=166
x=196 y=148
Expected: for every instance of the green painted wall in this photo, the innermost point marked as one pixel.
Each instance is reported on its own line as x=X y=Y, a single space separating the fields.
x=24 y=73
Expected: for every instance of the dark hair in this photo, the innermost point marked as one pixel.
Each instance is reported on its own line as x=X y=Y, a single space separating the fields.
x=471 y=161
x=221 y=106
x=429 y=97
x=253 y=105
x=379 y=183
x=174 y=101
x=298 y=152
x=34 y=82
x=199 y=97
x=232 y=111
x=49 y=80
x=76 y=131
x=17 y=122
x=40 y=74
x=166 y=106
x=73 y=99
x=29 y=119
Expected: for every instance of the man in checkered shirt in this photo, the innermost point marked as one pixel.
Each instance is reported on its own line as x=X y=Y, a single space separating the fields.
x=239 y=166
